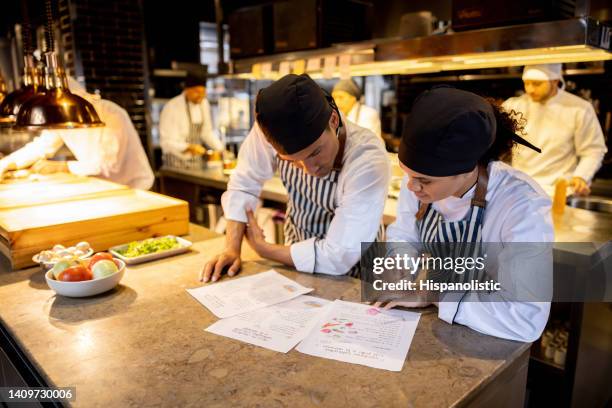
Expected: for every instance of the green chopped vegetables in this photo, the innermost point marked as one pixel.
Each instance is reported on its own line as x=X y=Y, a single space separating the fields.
x=149 y=246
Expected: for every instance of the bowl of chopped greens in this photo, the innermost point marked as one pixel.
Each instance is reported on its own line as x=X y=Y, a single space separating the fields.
x=150 y=249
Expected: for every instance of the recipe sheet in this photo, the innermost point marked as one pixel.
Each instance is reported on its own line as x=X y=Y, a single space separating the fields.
x=241 y=295
x=362 y=334
x=279 y=327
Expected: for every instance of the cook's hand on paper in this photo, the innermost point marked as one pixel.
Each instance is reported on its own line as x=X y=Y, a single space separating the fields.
x=421 y=299
x=214 y=267
x=392 y=304
x=254 y=234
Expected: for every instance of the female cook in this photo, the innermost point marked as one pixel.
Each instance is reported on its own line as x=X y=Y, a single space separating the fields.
x=458 y=189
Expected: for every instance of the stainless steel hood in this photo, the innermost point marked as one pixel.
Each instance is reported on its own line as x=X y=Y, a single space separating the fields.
x=574 y=40
x=557 y=41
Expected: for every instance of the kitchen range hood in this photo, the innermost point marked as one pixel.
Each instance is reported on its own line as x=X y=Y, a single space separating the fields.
x=573 y=40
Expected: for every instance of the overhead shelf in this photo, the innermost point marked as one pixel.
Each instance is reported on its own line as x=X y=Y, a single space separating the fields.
x=564 y=41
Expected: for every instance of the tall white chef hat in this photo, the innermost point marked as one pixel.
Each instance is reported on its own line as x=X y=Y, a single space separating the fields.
x=543 y=72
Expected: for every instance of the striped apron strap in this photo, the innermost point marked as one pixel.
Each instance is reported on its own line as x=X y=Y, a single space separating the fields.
x=194 y=137
x=312 y=202
x=465 y=237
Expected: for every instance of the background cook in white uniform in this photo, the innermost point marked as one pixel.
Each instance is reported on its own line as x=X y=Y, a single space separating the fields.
x=563 y=125
x=113 y=152
x=181 y=116
x=347 y=95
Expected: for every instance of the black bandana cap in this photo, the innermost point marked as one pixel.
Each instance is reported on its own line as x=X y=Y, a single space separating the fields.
x=448 y=131
x=293 y=111
x=195 y=79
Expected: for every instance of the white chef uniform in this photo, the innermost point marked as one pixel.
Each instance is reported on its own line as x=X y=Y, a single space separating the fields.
x=517 y=210
x=566 y=128
x=182 y=123
x=365 y=117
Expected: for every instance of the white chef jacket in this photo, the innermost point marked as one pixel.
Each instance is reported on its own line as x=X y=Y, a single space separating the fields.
x=113 y=152
x=360 y=196
x=365 y=117
x=174 y=126
x=565 y=127
x=518 y=210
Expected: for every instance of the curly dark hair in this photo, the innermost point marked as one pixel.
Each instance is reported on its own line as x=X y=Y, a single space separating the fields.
x=508 y=123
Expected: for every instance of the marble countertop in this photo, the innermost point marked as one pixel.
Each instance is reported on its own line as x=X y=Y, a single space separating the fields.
x=144 y=343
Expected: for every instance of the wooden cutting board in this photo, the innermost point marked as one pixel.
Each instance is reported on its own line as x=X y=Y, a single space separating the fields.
x=101 y=213
x=51 y=191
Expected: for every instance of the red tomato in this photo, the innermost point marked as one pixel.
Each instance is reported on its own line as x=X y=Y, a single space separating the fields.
x=74 y=274
x=98 y=257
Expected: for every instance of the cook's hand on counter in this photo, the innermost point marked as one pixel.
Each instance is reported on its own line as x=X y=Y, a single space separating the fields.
x=50 y=167
x=580 y=186
x=214 y=267
x=229 y=258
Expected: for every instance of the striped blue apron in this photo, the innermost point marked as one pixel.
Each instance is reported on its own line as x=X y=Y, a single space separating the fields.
x=193 y=137
x=312 y=201
x=454 y=239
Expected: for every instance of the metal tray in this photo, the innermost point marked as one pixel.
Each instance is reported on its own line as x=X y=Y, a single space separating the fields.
x=184 y=247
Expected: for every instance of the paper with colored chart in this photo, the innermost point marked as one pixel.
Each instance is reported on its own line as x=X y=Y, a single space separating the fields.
x=242 y=295
x=279 y=327
x=362 y=334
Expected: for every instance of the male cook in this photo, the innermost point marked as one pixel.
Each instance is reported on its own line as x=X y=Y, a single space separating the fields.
x=563 y=125
x=336 y=175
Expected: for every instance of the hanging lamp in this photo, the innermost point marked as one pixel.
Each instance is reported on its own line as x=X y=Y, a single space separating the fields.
x=56 y=107
x=30 y=80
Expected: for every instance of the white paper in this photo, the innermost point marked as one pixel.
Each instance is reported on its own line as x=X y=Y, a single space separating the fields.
x=241 y=295
x=279 y=327
x=362 y=334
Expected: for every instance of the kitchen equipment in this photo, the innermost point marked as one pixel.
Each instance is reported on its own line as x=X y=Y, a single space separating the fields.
x=471 y=14
x=56 y=107
x=418 y=24
x=599 y=204
x=250 y=31
x=308 y=24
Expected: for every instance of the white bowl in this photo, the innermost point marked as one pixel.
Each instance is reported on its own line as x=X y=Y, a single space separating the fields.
x=88 y=287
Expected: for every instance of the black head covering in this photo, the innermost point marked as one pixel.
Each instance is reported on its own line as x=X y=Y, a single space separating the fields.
x=293 y=112
x=448 y=131
x=195 y=79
